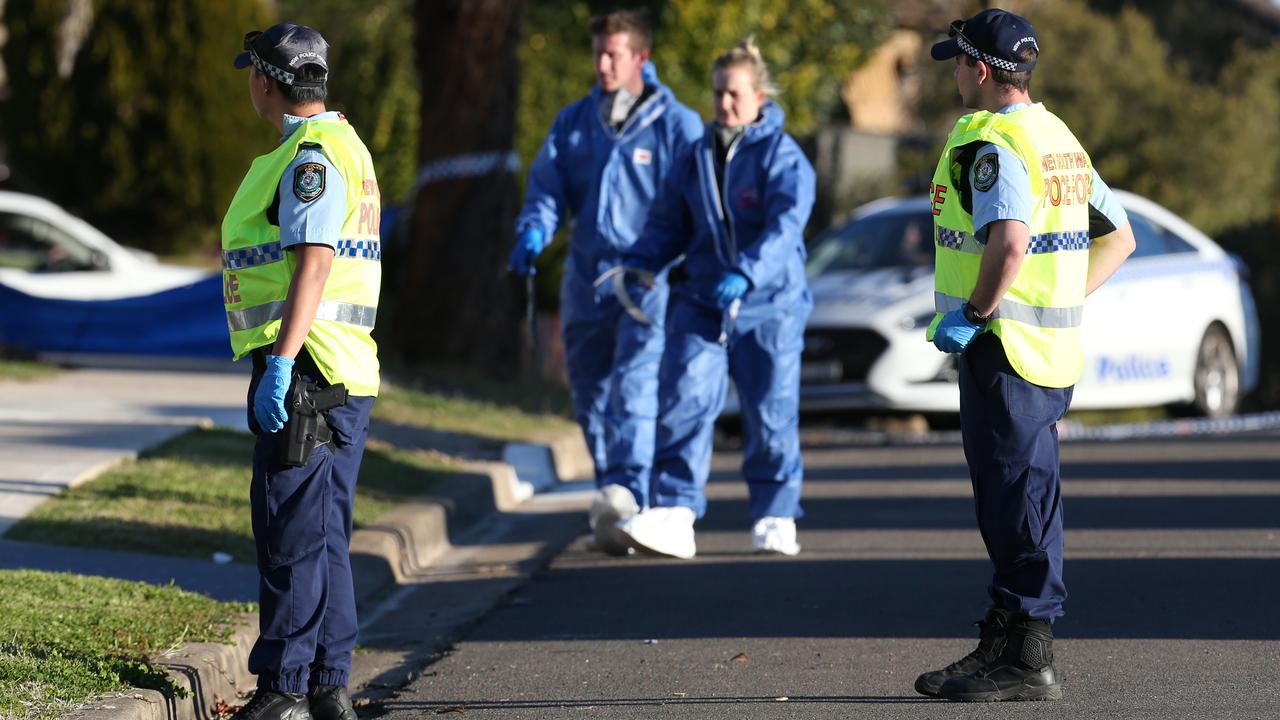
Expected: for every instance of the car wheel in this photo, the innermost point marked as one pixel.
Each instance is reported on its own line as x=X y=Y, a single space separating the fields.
x=1217 y=377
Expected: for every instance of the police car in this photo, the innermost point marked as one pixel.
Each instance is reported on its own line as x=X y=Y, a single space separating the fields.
x=1176 y=324
x=69 y=290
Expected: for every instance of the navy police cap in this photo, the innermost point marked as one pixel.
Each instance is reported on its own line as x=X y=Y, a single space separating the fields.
x=993 y=36
x=281 y=50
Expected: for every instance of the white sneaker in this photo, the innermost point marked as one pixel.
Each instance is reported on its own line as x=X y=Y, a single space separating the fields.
x=775 y=536
x=611 y=504
x=666 y=531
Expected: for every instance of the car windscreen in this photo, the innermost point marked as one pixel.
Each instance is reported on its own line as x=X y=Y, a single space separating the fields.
x=1152 y=239
x=883 y=240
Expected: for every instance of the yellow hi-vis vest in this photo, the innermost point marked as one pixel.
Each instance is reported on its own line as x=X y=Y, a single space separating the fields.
x=257 y=272
x=1038 y=319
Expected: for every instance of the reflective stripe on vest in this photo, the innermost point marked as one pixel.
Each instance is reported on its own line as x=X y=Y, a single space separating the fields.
x=257 y=271
x=345 y=313
x=1038 y=319
x=1043 y=317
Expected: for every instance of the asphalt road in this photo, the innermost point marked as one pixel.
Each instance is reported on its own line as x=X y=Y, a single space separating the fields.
x=1173 y=568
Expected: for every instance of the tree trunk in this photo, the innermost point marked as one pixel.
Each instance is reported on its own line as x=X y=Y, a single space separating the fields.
x=454 y=301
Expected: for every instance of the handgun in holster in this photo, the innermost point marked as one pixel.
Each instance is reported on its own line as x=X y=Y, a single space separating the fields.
x=307 y=428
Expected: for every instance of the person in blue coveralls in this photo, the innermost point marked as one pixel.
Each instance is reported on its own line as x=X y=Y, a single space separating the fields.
x=1025 y=229
x=601 y=165
x=736 y=208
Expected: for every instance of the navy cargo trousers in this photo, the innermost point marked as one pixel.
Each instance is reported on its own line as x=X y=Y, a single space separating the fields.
x=302 y=530
x=1011 y=445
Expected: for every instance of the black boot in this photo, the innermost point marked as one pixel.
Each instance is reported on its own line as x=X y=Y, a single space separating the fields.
x=331 y=702
x=990 y=645
x=274 y=705
x=1024 y=671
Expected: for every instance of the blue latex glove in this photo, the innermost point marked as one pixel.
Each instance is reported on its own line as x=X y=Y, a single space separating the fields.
x=528 y=245
x=954 y=332
x=732 y=286
x=268 y=400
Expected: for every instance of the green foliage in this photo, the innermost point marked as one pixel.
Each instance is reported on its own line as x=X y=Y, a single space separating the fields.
x=1207 y=150
x=149 y=132
x=65 y=639
x=1202 y=33
x=811 y=46
x=556 y=69
x=372 y=80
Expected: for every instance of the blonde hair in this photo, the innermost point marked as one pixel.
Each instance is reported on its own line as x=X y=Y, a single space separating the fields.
x=746 y=53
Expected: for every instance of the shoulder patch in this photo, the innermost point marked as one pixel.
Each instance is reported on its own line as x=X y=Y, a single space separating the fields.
x=985 y=172
x=308 y=181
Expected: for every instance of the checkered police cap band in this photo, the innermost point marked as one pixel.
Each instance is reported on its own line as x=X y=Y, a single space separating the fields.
x=271 y=70
x=991 y=60
x=967 y=46
x=279 y=73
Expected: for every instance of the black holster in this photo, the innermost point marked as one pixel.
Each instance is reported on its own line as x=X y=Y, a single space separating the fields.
x=306 y=429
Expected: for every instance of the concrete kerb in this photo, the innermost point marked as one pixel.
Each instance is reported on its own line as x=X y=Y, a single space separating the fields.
x=207 y=672
x=401 y=544
x=405 y=540
x=542 y=465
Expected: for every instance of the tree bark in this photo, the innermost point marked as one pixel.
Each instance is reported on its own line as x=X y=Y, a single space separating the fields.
x=454 y=300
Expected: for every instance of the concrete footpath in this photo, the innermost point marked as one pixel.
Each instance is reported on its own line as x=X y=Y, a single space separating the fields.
x=57 y=433
x=423 y=571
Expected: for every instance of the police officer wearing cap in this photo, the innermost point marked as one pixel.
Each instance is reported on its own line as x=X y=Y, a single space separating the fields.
x=1024 y=229
x=301 y=275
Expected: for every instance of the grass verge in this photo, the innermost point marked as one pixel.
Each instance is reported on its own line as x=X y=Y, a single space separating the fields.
x=190 y=497
x=65 y=639
x=465 y=401
x=1121 y=416
x=461 y=415
x=23 y=370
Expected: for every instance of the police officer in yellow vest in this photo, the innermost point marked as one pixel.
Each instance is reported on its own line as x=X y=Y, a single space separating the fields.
x=301 y=272
x=1024 y=230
